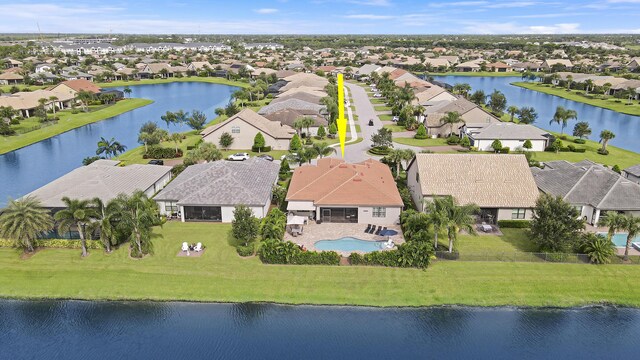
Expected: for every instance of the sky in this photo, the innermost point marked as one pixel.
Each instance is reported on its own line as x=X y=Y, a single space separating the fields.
x=321 y=17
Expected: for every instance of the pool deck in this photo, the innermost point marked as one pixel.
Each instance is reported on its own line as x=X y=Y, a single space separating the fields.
x=331 y=231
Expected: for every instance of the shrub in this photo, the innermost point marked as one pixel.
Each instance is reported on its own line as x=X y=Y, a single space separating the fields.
x=57 y=243
x=616 y=168
x=504 y=150
x=602 y=151
x=157 y=152
x=380 y=150
x=410 y=254
x=453 y=140
x=571 y=148
x=245 y=251
x=261 y=149
x=465 y=142
x=286 y=252
x=580 y=141
x=563 y=137
x=421 y=133
x=514 y=224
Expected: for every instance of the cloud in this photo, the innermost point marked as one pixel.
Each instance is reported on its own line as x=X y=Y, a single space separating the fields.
x=548 y=16
x=458 y=4
x=513 y=28
x=266 y=11
x=513 y=4
x=369 y=17
x=371 y=2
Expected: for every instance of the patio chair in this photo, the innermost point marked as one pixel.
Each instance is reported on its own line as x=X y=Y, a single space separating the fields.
x=366 y=231
x=379 y=229
x=198 y=247
x=185 y=246
x=373 y=229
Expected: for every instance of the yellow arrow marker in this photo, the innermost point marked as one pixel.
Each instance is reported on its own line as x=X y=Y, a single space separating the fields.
x=341 y=121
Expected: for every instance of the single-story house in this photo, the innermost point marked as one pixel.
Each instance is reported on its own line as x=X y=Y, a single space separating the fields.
x=105 y=180
x=244 y=126
x=469 y=66
x=499 y=67
x=472 y=116
x=501 y=185
x=590 y=187
x=10 y=78
x=290 y=116
x=632 y=173
x=510 y=135
x=338 y=192
x=73 y=87
x=549 y=63
x=211 y=191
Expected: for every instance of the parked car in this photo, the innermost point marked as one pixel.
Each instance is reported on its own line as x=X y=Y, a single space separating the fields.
x=395 y=118
x=376 y=95
x=238 y=157
x=371 y=122
x=266 y=157
x=156 y=162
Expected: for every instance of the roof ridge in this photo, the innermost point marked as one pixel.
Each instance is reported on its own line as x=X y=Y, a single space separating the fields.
x=314 y=181
x=577 y=182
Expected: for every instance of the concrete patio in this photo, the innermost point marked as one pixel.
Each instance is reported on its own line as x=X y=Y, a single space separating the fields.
x=332 y=231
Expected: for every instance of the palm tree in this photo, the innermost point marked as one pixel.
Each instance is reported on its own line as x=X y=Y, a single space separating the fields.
x=605 y=88
x=512 y=110
x=588 y=84
x=632 y=227
x=307 y=122
x=137 y=214
x=605 y=136
x=127 y=90
x=569 y=81
x=298 y=125
x=460 y=217
x=322 y=149
x=176 y=138
x=562 y=117
x=104 y=222
x=78 y=213
x=110 y=147
x=53 y=100
x=23 y=220
x=451 y=118
x=614 y=221
x=437 y=215
x=84 y=97
x=396 y=156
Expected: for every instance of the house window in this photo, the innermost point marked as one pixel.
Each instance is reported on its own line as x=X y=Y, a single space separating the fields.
x=518 y=214
x=235 y=130
x=379 y=212
x=171 y=207
x=579 y=208
x=417 y=177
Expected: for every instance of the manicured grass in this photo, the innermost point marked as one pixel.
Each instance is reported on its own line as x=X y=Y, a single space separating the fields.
x=382 y=108
x=7 y=88
x=220 y=275
x=395 y=128
x=378 y=101
x=68 y=121
x=421 y=142
x=385 y=117
x=212 y=80
x=577 y=95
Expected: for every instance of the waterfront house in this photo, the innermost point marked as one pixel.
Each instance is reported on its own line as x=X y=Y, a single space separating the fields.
x=590 y=187
x=244 y=126
x=548 y=64
x=336 y=191
x=11 y=78
x=501 y=185
x=632 y=173
x=510 y=135
x=210 y=191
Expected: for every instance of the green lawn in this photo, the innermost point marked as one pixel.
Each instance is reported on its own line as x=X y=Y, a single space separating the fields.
x=220 y=275
x=68 y=121
x=381 y=108
x=395 y=128
x=378 y=101
x=385 y=117
x=421 y=142
x=578 y=96
x=212 y=80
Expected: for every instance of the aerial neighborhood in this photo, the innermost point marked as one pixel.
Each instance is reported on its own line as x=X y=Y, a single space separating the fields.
x=230 y=149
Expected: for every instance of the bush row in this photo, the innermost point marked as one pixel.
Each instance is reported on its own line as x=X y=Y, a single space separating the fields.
x=285 y=252
x=57 y=243
x=156 y=152
x=514 y=224
x=261 y=149
x=411 y=254
x=382 y=150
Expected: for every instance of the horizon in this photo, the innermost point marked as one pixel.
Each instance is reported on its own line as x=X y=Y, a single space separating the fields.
x=314 y=17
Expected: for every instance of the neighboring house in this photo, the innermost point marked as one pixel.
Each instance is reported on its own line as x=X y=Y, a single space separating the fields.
x=501 y=185
x=499 y=67
x=290 y=116
x=334 y=191
x=211 y=191
x=9 y=78
x=432 y=94
x=549 y=63
x=469 y=66
x=437 y=63
x=27 y=102
x=632 y=173
x=634 y=64
x=263 y=46
x=523 y=66
x=73 y=87
x=590 y=187
x=244 y=126
x=44 y=68
x=105 y=180
x=510 y=135
x=472 y=116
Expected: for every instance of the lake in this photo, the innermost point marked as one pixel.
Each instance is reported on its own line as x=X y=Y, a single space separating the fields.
x=626 y=127
x=124 y=330
x=26 y=169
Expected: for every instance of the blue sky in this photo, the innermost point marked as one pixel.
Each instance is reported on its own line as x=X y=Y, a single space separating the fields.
x=323 y=17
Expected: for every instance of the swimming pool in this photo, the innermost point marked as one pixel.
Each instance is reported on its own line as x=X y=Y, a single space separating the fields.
x=348 y=244
x=620 y=239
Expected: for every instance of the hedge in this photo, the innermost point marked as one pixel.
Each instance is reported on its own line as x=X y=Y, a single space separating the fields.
x=580 y=141
x=155 y=152
x=411 y=254
x=262 y=149
x=286 y=252
x=57 y=243
x=380 y=150
x=514 y=224
x=245 y=251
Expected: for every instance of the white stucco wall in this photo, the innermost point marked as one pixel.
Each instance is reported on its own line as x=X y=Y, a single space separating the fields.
x=244 y=139
x=506 y=213
x=414 y=186
x=365 y=216
x=485 y=145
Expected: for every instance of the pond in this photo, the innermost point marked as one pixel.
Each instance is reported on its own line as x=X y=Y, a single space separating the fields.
x=122 y=330
x=26 y=169
x=626 y=127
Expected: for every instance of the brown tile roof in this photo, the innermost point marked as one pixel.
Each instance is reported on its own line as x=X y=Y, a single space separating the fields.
x=82 y=84
x=487 y=180
x=335 y=182
x=272 y=128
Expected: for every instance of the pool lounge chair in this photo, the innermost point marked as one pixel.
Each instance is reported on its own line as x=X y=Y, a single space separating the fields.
x=636 y=245
x=198 y=247
x=185 y=246
x=366 y=231
x=373 y=229
x=379 y=229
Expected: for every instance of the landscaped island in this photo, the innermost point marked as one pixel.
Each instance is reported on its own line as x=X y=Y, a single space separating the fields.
x=611 y=103
x=222 y=276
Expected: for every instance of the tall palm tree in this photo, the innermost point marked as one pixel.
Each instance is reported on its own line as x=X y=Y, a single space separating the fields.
x=137 y=214
x=52 y=100
x=78 y=213
x=322 y=149
x=110 y=147
x=460 y=217
x=614 y=221
x=562 y=117
x=396 y=156
x=127 y=90
x=307 y=122
x=106 y=215
x=23 y=220
x=451 y=118
x=632 y=227
x=298 y=125
x=512 y=110
x=84 y=97
x=605 y=136
x=588 y=84
x=437 y=215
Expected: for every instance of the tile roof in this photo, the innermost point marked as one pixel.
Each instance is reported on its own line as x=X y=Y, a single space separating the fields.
x=100 y=179
x=487 y=180
x=633 y=170
x=334 y=182
x=509 y=131
x=223 y=183
x=293 y=104
x=82 y=84
x=272 y=128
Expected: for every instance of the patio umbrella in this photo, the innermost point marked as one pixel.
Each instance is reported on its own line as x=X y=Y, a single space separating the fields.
x=388 y=232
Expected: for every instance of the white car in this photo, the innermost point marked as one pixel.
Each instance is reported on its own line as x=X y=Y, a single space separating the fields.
x=395 y=118
x=238 y=157
x=377 y=95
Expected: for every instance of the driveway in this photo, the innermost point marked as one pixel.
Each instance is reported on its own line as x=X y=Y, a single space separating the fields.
x=365 y=111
